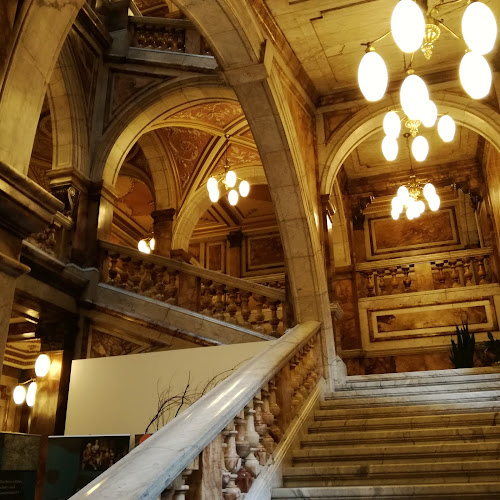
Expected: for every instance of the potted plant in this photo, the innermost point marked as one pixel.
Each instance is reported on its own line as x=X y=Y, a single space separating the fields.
x=462 y=351
x=492 y=349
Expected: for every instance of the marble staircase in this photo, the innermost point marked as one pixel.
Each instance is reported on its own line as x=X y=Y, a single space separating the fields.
x=419 y=435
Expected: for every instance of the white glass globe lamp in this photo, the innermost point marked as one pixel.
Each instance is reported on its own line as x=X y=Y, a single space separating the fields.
x=413 y=95
x=408 y=26
x=233 y=197
x=143 y=247
x=475 y=75
x=212 y=184
x=434 y=203
x=479 y=28
x=429 y=114
x=152 y=243
x=420 y=206
x=230 y=178
x=42 y=365
x=392 y=124
x=429 y=191
x=395 y=215
x=397 y=205
x=214 y=195
x=372 y=76
x=390 y=148
x=403 y=194
x=446 y=128
x=244 y=189
x=30 y=394
x=19 y=395
x=420 y=148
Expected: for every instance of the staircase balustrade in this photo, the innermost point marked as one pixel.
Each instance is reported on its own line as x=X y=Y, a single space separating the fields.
x=444 y=270
x=236 y=427
x=218 y=295
x=172 y=35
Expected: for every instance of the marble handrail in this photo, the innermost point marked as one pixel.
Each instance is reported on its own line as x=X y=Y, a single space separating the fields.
x=254 y=288
x=154 y=465
x=211 y=293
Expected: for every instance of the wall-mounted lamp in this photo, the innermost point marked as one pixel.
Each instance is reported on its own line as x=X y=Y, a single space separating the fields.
x=20 y=394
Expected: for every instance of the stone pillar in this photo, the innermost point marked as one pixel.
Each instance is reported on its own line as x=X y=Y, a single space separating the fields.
x=235 y=239
x=162 y=229
x=327 y=212
x=25 y=208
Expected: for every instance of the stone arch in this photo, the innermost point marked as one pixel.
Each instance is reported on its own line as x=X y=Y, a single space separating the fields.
x=30 y=57
x=67 y=109
x=468 y=113
x=140 y=117
x=166 y=188
x=198 y=202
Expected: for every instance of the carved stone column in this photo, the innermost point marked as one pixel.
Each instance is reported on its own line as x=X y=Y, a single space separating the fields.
x=162 y=228
x=235 y=240
x=25 y=208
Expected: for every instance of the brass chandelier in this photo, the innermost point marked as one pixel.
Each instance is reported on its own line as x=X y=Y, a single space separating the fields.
x=412 y=29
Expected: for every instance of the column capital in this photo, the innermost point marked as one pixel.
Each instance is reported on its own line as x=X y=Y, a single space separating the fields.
x=235 y=239
x=165 y=215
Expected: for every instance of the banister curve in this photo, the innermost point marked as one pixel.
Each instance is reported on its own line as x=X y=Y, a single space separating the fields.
x=151 y=467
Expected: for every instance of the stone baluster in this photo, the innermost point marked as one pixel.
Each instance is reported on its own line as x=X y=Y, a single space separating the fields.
x=124 y=273
x=245 y=475
x=394 y=279
x=274 y=408
x=406 y=278
x=441 y=275
x=268 y=418
x=232 y=308
x=171 y=288
x=245 y=308
x=232 y=463
x=219 y=302
x=274 y=321
x=206 y=297
x=261 y=429
x=159 y=290
x=147 y=280
x=481 y=271
x=467 y=271
x=180 y=486
x=252 y=437
x=454 y=273
x=381 y=281
x=297 y=398
x=135 y=275
x=259 y=316
x=112 y=271
x=370 y=285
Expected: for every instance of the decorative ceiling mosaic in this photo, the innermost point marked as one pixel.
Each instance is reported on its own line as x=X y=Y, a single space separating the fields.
x=220 y=114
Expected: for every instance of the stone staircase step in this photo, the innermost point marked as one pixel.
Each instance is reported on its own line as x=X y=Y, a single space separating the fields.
x=396 y=474
x=420 y=492
x=410 y=399
x=407 y=422
x=437 y=374
x=443 y=434
x=400 y=390
x=414 y=410
x=403 y=453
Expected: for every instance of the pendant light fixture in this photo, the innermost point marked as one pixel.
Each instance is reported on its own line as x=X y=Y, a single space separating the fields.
x=228 y=181
x=413 y=29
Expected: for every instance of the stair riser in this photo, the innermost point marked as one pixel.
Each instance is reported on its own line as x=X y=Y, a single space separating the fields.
x=396 y=480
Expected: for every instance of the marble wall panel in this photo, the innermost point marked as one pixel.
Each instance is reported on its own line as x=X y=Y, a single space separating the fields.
x=263 y=253
x=215 y=258
x=431 y=232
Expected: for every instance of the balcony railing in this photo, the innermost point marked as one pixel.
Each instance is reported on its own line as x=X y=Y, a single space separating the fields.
x=172 y=35
x=211 y=293
x=442 y=270
x=237 y=427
